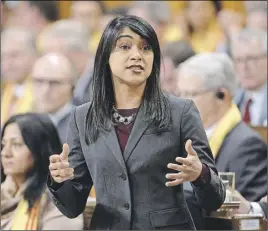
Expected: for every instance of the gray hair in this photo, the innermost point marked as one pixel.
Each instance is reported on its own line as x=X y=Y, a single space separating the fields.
x=13 y=34
x=158 y=11
x=215 y=70
x=247 y=35
x=75 y=34
x=252 y=6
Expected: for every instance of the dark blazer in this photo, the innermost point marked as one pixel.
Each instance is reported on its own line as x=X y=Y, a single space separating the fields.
x=244 y=152
x=130 y=187
x=196 y=210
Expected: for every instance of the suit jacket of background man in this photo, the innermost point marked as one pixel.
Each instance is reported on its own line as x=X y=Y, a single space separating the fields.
x=130 y=186
x=244 y=152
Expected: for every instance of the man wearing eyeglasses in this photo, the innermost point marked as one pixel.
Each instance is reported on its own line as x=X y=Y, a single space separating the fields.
x=249 y=51
x=209 y=80
x=54 y=77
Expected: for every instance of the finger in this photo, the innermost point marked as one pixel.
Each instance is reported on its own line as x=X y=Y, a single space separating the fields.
x=54 y=166
x=184 y=161
x=174 y=176
x=65 y=152
x=189 y=148
x=174 y=182
x=64 y=164
x=173 y=166
x=62 y=172
x=54 y=173
x=58 y=179
x=54 y=158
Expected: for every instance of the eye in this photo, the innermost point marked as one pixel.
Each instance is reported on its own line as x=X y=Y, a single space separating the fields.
x=17 y=145
x=146 y=47
x=125 y=47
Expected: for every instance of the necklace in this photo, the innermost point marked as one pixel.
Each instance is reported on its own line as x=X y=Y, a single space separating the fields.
x=122 y=119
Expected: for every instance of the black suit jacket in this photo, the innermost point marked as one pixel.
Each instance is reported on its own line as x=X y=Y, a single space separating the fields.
x=130 y=188
x=245 y=153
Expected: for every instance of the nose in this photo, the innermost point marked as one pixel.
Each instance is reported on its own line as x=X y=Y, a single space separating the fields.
x=6 y=151
x=136 y=55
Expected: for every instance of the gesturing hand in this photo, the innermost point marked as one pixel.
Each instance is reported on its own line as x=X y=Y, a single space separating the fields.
x=189 y=170
x=59 y=166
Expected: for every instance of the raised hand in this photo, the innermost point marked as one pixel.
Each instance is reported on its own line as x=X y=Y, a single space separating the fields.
x=189 y=170
x=59 y=166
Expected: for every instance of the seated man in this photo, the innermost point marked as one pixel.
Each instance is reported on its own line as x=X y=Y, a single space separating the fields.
x=249 y=51
x=209 y=80
x=248 y=207
x=54 y=78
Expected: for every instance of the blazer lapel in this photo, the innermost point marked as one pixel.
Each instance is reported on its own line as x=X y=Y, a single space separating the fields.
x=140 y=125
x=112 y=142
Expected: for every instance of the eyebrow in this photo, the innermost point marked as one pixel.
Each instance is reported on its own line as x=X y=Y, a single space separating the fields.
x=124 y=36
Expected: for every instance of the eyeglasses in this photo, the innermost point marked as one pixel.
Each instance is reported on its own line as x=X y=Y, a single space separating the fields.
x=51 y=83
x=192 y=94
x=250 y=59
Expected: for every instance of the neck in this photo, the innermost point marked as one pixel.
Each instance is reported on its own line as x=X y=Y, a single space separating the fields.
x=19 y=180
x=216 y=116
x=128 y=97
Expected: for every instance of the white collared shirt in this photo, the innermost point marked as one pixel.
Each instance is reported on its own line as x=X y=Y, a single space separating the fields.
x=209 y=131
x=256 y=107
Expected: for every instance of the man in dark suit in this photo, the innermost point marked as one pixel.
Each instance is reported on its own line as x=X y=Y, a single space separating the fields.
x=209 y=79
x=53 y=82
x=70 y=37
x=249 y=51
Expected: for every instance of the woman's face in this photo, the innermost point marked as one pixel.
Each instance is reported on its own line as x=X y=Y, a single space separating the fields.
x=131 y=60
x=16 y=158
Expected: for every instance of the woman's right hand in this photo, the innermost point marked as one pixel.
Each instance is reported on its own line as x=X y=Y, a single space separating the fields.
x=59 y=166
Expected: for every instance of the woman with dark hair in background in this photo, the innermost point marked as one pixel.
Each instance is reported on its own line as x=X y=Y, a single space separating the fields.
x=27 y=142
x=127 y=139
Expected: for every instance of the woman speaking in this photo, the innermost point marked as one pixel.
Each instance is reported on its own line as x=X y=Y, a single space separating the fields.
x=134 y=143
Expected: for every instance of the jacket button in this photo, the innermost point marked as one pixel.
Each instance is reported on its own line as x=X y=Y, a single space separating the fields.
x=126 y=206
x=124 y=176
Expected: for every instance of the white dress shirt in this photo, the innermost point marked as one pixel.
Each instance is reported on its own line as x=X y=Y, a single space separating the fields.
x=256 y=107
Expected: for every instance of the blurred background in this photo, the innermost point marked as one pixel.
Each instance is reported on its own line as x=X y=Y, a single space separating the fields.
x=31 y=29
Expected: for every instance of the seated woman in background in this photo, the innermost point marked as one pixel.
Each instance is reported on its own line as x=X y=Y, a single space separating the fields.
x=27 y=141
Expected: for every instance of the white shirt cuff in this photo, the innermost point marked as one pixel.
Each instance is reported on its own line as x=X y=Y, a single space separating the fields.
x=255 y=208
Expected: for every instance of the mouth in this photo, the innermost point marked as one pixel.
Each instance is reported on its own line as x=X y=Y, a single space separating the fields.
x=7 y=164
x=136 y=68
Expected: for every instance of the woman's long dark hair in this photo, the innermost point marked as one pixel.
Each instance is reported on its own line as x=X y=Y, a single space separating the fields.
x=154 y=100
x=42 y=139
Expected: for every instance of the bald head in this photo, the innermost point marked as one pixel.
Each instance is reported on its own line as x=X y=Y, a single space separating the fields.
x=53 y=77
x=55 y=63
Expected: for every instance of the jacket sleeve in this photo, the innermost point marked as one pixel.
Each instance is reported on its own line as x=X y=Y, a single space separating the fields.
x=211 y=194
x=53 y=219
x=70 y=197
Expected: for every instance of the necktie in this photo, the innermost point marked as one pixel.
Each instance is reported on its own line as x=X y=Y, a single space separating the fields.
x=246 y=117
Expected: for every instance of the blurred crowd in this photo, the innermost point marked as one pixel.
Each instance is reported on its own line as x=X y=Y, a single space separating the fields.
x=214 y=52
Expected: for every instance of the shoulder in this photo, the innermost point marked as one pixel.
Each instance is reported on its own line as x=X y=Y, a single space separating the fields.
x=178 y=104
x=82 y=109
x=242 y=134
x=80 y=112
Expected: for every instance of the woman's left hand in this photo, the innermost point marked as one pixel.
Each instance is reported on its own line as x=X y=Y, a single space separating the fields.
x=189 y=170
